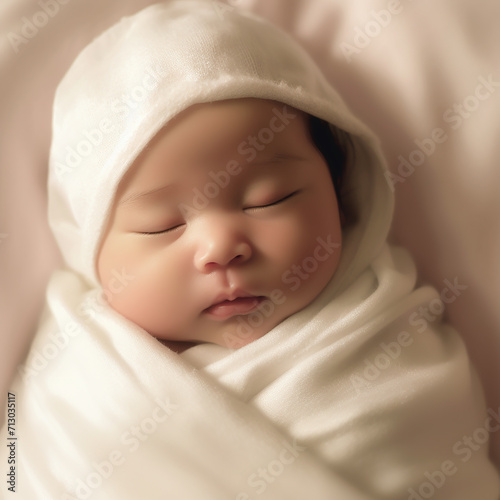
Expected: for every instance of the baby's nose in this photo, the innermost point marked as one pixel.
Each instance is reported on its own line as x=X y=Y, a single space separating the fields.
x=221 y=245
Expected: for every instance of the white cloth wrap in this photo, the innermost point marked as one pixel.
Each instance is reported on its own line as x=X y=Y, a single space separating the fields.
x=105 y=411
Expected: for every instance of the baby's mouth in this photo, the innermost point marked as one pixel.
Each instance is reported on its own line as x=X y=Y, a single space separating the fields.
x=238 y=306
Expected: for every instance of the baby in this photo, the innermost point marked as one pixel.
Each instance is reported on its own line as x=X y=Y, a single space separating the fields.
x=230 y=322
x=199 y=272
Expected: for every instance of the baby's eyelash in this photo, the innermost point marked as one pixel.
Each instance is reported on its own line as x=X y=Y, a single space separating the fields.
x=152 y=233
x=277 y=201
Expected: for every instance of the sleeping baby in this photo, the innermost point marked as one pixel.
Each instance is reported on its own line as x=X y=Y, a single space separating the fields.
x=230 y=321
x=222 y=272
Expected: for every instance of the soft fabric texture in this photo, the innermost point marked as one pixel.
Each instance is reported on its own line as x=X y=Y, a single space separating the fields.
x=306 y=387
x=400 y=84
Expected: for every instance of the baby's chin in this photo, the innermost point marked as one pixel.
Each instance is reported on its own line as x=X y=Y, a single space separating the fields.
x=230 y=339
x=180 y=346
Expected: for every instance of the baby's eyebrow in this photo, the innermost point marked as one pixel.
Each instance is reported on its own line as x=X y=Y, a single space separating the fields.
x=132 y=197
x=277 y=158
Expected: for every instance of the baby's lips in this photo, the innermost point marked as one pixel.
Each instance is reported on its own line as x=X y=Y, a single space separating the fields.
x=238 y=306
x=238 y=293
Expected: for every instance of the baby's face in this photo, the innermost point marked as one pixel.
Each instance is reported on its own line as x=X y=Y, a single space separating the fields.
x=228 y=223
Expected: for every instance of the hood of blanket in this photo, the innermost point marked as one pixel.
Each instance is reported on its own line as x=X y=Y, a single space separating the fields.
x=135 y=77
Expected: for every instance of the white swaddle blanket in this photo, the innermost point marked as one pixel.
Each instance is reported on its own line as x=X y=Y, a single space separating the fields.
x=357 y=396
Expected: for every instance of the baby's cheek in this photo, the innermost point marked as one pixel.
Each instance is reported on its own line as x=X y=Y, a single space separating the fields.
x=121 y=277
x=153 y=296
x=138 y=301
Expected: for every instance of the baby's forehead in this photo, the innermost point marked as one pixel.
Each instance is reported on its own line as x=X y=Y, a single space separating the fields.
x=224 y=134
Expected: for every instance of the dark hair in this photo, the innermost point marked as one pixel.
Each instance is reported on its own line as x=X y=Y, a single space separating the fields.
x=335 y=145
